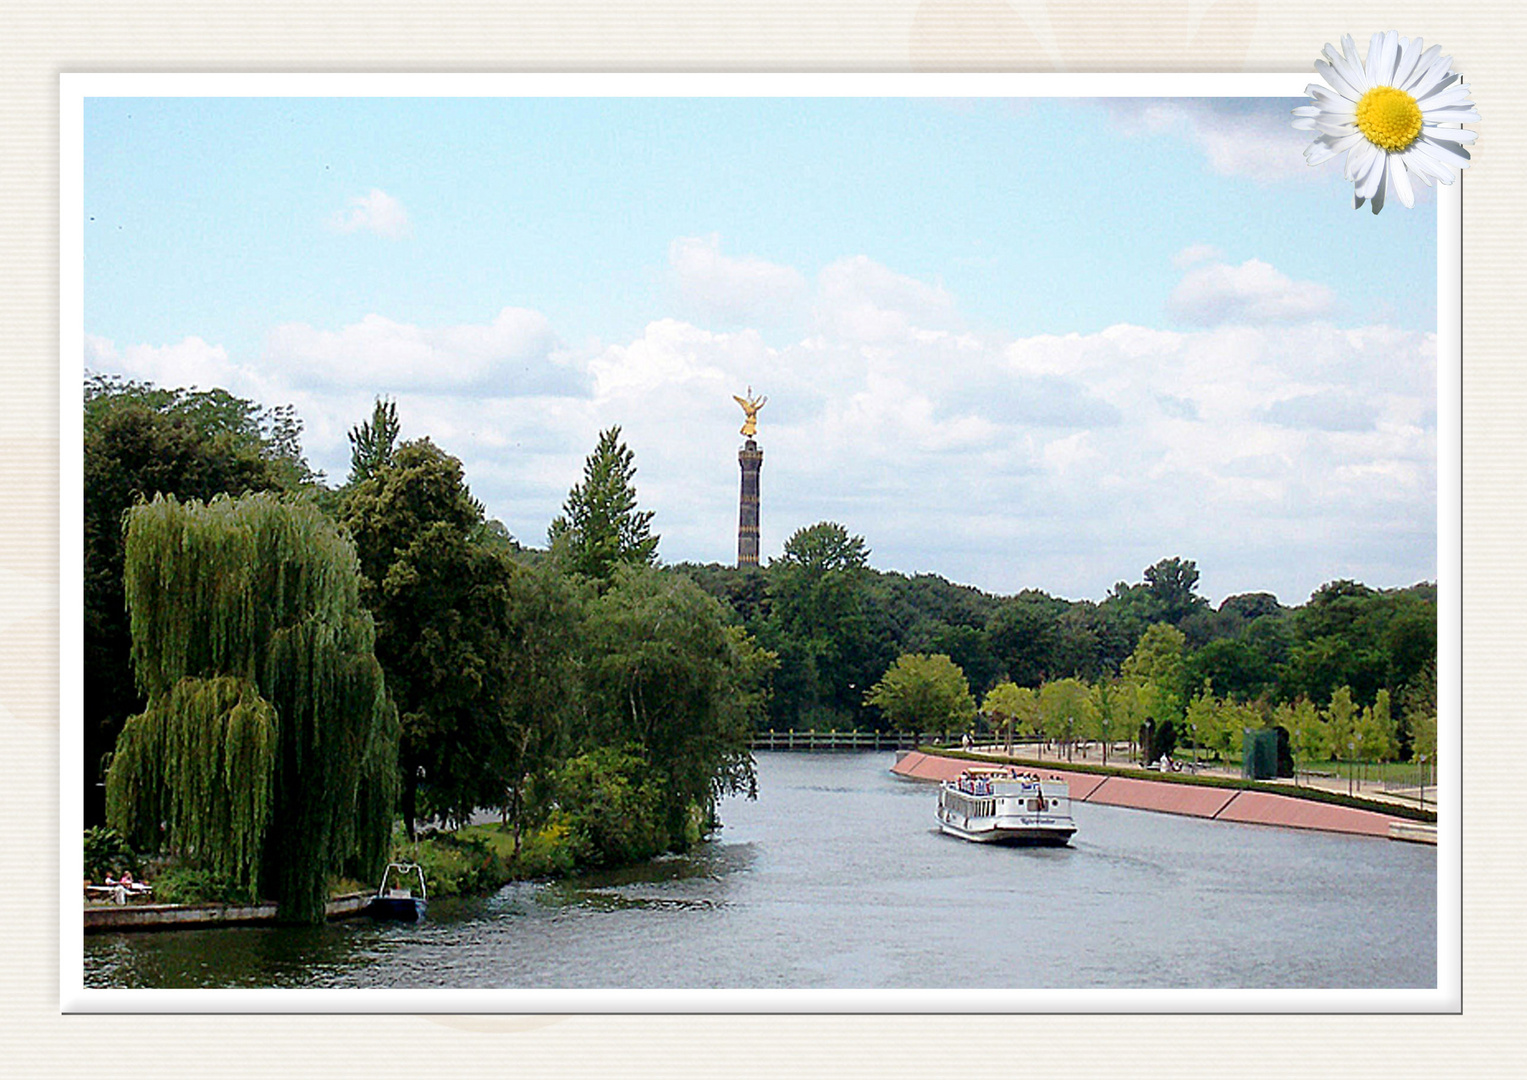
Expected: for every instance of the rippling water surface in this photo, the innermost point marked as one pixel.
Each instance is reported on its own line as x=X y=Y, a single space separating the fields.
x=836 y=877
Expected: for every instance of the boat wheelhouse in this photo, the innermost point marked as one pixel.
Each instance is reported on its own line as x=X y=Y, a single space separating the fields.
x=1002 y=805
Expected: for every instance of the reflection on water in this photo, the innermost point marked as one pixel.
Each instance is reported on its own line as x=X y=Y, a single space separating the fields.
x=835 y=878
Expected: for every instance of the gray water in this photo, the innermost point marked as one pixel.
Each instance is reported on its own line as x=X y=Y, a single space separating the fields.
x=836 y=877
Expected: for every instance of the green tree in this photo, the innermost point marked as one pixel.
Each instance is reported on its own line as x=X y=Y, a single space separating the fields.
x=1376 y=731
x=268 y=749
x=142 y=441
x=1173 y=585
x=924 y=693
x=1203 y=721
x=1309 y=735
x=1156 y=668
x=1342 y=721
x=600 y=526
x=1114 y=710
x=663 y=672
x=1008 y=705
x=1064 y=710
x=474 y=646
x=373 y=442
x=825 y=627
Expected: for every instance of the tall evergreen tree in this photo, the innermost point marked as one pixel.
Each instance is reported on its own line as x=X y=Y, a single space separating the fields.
x=600 y=526
x=373 y=442
x=268 y=750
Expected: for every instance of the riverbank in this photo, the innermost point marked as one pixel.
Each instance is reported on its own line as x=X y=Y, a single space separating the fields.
x=100 y=918
x=1215 y=801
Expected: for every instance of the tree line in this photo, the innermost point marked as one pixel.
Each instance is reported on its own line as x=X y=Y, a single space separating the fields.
x=247 y=623
x=856 y=645
x=276 y=667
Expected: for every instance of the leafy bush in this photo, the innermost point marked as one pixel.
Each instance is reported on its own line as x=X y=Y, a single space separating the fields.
x=612 y=808
x=194 y=885
x=107 y=855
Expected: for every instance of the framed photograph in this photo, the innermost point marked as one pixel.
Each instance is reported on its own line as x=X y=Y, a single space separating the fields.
x=1097 y=491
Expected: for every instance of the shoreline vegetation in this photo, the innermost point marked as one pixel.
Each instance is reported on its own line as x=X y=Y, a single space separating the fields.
x=278 y=670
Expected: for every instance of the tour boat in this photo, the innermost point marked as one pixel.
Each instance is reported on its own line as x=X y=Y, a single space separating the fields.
x=396 y=902
x=1001 y=805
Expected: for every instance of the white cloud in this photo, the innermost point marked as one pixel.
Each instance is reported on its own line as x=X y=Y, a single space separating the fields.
x=1253 y=293
x=375 y=212
x=721 y=287
x=515 y=354
x=191 y=362
x=860 y=300
x=1238 y=136
x=1277 y=456
x=1195 y=253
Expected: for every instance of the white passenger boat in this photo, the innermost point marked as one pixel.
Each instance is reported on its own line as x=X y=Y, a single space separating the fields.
x=1001 y=805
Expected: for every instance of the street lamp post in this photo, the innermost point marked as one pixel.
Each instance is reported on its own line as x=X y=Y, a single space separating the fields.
x=1351 y=765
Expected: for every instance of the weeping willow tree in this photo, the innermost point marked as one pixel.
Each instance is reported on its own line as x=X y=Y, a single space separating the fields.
x=267 y=753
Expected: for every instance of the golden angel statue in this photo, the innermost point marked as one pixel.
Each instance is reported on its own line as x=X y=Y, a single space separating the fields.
x=750 y=405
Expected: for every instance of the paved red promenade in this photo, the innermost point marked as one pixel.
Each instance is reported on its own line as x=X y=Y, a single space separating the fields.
x=1221 y=804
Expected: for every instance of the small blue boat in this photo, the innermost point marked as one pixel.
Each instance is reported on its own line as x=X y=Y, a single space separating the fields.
x=395 y=900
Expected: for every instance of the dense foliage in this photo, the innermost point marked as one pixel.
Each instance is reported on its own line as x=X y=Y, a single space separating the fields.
x=142 y=441
x=1143 y=655
x=267 y=752
x=306 y=670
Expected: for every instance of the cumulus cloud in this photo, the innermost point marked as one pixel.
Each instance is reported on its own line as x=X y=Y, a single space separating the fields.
x=861 y=300
x=1253 y=293
x=375 y=212
x=191 y=362
x=1278 y=456
x=1247 y=137
x=731 y=289
x=516 y=353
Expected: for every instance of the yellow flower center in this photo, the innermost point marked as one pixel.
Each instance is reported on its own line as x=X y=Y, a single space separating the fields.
x=1389 y=118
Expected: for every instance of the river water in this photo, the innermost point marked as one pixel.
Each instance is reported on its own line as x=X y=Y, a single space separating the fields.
x=836 y=877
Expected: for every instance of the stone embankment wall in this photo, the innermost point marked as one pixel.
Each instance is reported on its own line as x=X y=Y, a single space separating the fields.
x=1219 y=804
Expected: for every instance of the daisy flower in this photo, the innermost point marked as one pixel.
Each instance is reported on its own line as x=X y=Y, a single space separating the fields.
x=1387 y=114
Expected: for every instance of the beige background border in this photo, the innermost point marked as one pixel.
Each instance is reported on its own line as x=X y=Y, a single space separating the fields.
x=36 y=43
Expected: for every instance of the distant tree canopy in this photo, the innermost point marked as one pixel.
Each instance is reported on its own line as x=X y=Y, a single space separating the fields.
x=268 y=749
x=142 y=441
x=600 y=526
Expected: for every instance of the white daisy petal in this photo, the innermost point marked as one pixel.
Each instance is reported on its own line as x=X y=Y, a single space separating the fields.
x=1451 y=115
x=1452 y=135
x=1455 y=157
x=1405 y=64
x=1389 y=52
x=1423 y=65
x=1352 y=68
x=1338 y=81
x=1423 y=169
x=1325 y=148
x=1336 y=130
x=1369 y=175
x=1371 y=61
x=1327 y=100
x=1383 y=183
x=1401 y=180
x=1443 y=95
x=1439 y=74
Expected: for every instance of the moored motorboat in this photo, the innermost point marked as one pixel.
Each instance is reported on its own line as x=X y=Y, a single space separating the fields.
x=395 y=901
x=1001 y=805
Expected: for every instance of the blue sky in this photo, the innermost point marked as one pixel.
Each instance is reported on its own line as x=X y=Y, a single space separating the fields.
x=1016 y=342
